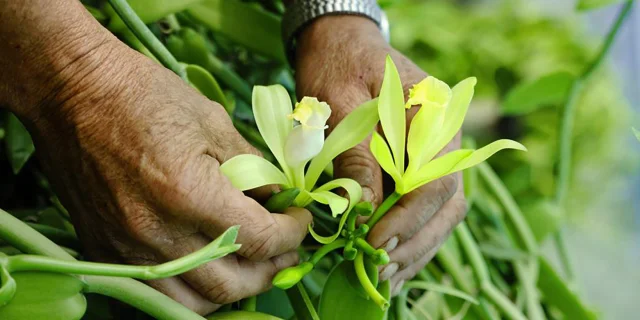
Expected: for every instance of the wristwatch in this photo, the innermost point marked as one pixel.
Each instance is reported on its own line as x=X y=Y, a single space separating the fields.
x=302 y=12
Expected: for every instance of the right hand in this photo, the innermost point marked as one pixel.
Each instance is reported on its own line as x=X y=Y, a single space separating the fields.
x=134 y=153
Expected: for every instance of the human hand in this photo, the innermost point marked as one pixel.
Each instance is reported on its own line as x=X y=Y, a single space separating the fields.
x=134 y=154
x=340 y=59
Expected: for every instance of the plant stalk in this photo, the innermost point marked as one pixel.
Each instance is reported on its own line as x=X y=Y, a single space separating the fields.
x=142 y=32
x=383 y=208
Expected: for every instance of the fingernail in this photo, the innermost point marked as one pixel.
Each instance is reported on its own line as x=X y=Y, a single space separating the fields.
x=397 y=288
x=388 y=271
x=391 y=244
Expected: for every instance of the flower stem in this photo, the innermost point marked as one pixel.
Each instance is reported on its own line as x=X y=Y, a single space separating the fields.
x=502 y=302
x=566 y=128
x=383 y=208
x=361 y=272
x=142 y=32
x=511 y=207
x=324 y=250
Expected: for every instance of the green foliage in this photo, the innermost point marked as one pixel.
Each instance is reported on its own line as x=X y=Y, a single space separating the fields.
x=595 y=4
x=18 y=143
x=551 y=89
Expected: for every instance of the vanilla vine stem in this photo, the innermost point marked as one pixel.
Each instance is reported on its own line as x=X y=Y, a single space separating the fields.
x=566 y=126
x=142 y=32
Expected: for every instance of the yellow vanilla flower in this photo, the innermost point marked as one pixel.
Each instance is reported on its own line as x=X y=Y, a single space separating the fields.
x=296 y=138
x=442 y=111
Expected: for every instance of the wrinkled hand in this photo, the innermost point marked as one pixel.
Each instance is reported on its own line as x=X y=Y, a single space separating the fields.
x=134 y=154
x=340 y=59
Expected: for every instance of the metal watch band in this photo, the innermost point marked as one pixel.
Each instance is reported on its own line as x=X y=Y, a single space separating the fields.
x=302 y=12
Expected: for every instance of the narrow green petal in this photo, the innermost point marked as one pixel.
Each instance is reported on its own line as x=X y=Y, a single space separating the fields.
x=354 y=128
x=271 y=108
x=381 y=152
x=392 y=112
x=485 y=152
x=355 y=194
x=454 y=115
x=433 y=170
x=425 y=126
x=248 y=171
x=337 y=203
x=456 y=161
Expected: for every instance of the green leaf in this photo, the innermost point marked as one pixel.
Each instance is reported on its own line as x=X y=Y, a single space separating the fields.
x=461 y=96
x=547 y=90
x=202 y=80
x=502 y=253
x=337 y=203
x=248 y=171
x=148 y=11
x=584 y=5
x=243 y=23
x=275 y=302
x=381 y=152
x=340 y=300
x=557 y=293
x=18 y=143
x=271 y=109
x=353 y=129
x=355 y=194
x=435 y=287
x=392 y=113
x=241 y=315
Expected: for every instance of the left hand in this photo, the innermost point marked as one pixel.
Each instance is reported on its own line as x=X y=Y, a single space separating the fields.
x=340 y=59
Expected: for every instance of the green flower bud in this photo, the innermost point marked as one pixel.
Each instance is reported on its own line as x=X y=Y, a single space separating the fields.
x=288 y=277
x=349 y=252
x=380 y=257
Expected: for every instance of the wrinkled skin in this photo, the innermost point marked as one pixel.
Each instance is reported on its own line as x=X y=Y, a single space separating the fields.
x=340 y=59
x=133 y=152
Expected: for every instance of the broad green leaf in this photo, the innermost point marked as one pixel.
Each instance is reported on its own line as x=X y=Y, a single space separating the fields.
x=392 y=113
x=353 y=129
x=337 y=203
x=202 y=80
x=584 y=5
x=248 y=171
x=241 y=315
x=461 y=97
x=636 y=133
x=355 y=193
x=148 y=11
x=341 y=300
x=275 y=302
x=558 y=294
x=271 y=108
x=435 y=287
x=18 y=143
x=381 y=152
x=530 y=96
x=242 y=22
x=425 y=126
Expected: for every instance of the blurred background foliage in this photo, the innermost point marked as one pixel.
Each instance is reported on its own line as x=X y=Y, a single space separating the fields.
x=509 y=46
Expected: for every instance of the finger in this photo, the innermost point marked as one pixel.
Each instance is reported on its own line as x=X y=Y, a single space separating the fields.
x=359 y=164
x=434 y=232
x=411 y=213
x=262 y=235
x=227 y=279
x=398 y=279
x=178 y=290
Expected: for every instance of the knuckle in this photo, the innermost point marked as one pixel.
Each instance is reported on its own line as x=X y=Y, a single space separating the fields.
x=262 y=244
x=223 y=292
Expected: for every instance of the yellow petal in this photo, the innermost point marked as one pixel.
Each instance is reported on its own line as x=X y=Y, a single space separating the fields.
x=429 y=90
x=355 y=194
x=311 y=112
x=248 y=171
x=392 y=113
x=381 y=152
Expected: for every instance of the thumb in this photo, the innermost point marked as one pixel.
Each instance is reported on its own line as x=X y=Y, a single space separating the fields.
x=359 y=164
